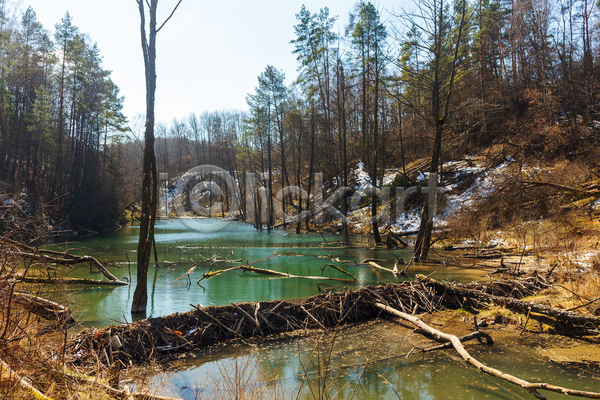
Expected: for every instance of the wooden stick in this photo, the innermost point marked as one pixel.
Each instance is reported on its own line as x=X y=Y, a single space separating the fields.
x=222 y=325
x=71 y=261
x=339 y=269
x=68 y=281
x=4 y=367
x=460 y=349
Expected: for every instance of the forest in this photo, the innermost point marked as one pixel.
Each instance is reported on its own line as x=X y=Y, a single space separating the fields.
x=494 y=101
x=439 y=80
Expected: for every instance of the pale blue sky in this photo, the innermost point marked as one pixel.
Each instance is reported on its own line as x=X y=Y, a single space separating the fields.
x=209 y=54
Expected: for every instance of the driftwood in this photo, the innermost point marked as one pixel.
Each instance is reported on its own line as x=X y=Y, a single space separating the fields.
x=262 y=271
x=67 y=281
x=460 y=349
x=56 y=257
x=373 y=264
x=43 y=258
x=44 y=308
x=479 y=335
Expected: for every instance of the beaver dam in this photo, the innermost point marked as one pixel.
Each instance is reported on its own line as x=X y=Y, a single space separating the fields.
x=165 y=337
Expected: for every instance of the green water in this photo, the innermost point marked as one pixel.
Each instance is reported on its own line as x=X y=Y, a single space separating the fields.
x=365 y=362
x=369 y=362
x=180 y=242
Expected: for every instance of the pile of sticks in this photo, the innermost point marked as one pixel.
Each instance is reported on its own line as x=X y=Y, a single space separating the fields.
x=203 y=326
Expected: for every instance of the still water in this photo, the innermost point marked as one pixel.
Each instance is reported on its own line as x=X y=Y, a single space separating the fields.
x=180 y=243
x=363 y=362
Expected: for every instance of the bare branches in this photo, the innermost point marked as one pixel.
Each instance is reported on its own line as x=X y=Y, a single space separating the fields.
x=460 y=349
x=167 y=20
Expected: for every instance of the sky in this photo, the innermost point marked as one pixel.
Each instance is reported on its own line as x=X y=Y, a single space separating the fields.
x=209 y=54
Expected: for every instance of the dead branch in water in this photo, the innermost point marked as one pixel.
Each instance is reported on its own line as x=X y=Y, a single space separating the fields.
x=262 y=271
x=26 y=252
x=373 y=264
x=460 y=349
x=269 y=272
x=67 y=281
x=44 y=308
x=43 y=258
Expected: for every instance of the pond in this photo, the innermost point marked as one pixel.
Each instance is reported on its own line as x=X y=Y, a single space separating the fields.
x=180 y=243
x=362 y=362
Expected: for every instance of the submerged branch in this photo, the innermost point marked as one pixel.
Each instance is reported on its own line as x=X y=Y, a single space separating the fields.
x=460 y=349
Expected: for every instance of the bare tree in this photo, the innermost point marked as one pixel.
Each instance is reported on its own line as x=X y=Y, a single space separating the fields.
x=150 y=175
x=444 y=25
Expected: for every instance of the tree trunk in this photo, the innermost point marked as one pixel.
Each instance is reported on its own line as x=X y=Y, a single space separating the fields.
x=150 y=181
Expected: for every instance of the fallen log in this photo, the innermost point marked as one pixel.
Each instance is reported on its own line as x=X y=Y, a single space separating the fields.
x=210 y=274
x=43 y=258
x=58 y=257
x=373 y=264
x=270 y=272
x=479 y=335
x=460 y=349
x=262 y=271
x=44 y=308
x=523 y=307
x=67 y=281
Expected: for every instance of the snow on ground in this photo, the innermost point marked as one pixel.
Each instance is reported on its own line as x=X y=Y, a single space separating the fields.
x=407 y=222
x=582 y=260
x=485 y=184
x=363 y=180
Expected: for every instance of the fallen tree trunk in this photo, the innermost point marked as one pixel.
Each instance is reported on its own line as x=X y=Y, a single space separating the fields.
x=43 y=258
x=460 y=349
x=262 y=271
x=44 y=308
x=67 y=281
x=269 y=272
x=57 y=257
x=523 y=307
x=373 y=264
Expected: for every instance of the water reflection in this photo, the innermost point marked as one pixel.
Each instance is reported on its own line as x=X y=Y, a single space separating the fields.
x=363 y=362
x=366 y=362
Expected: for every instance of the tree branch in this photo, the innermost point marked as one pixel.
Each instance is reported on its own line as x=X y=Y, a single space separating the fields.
x=460 y=349
x=167 y=20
